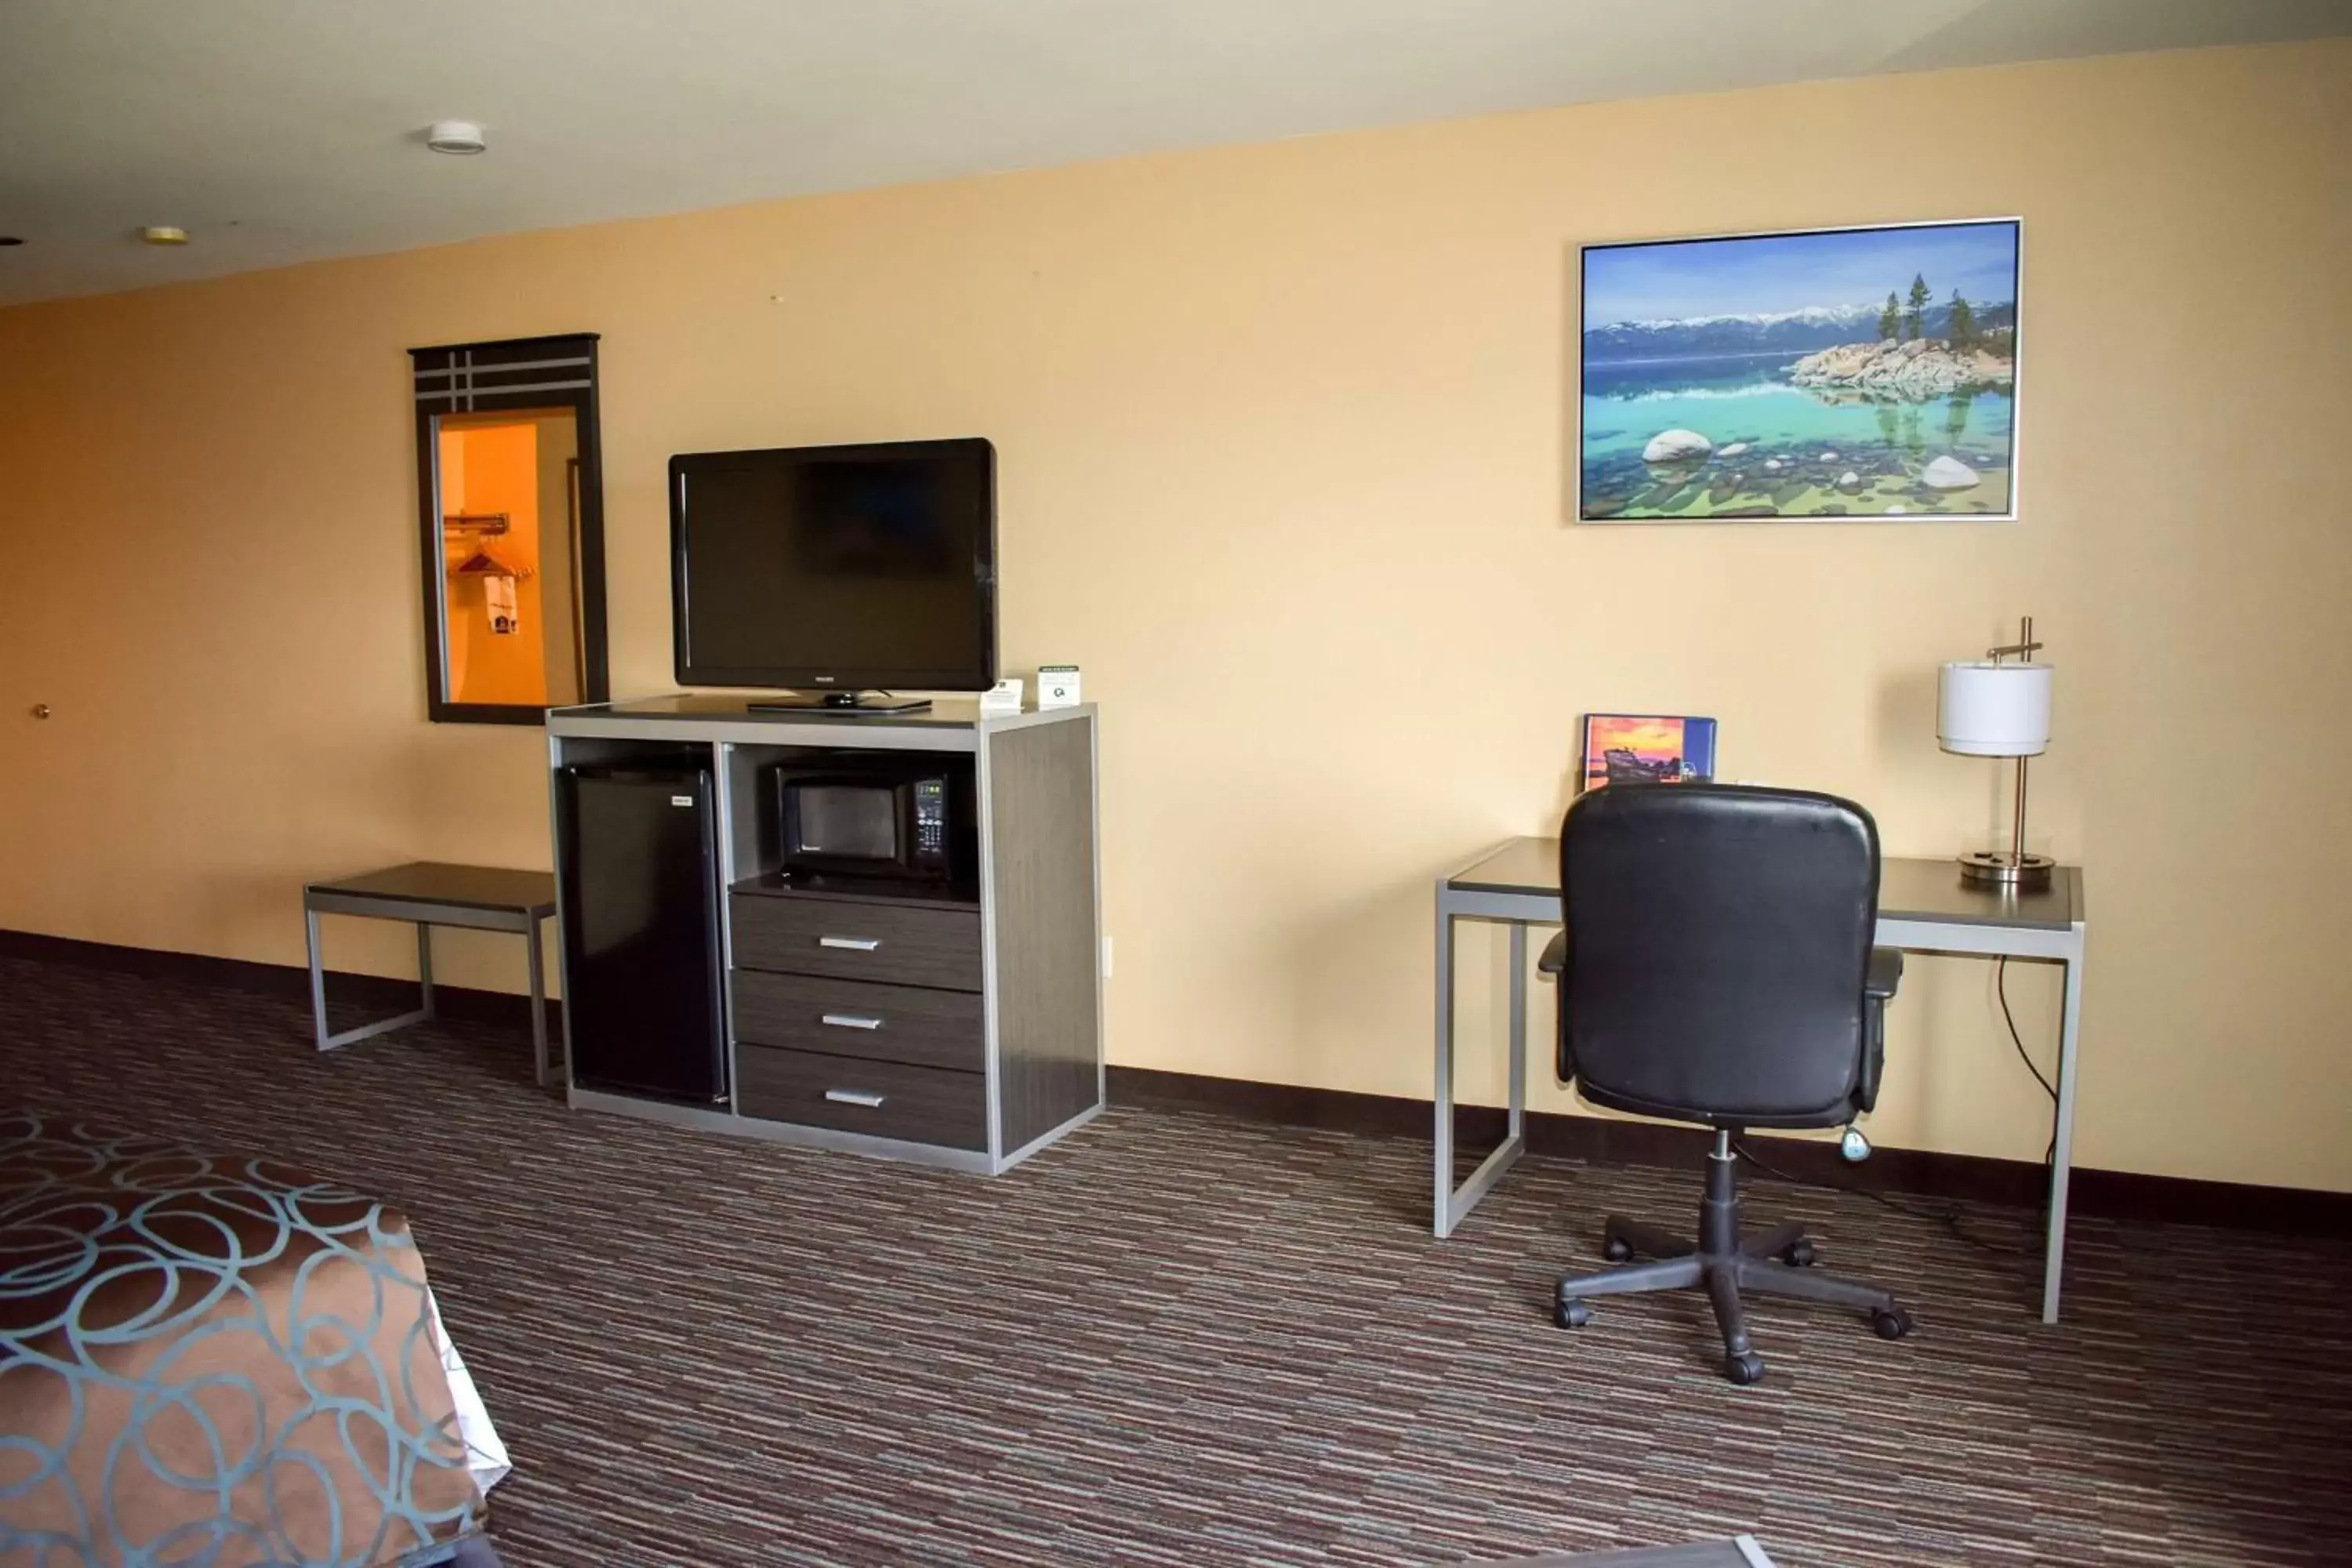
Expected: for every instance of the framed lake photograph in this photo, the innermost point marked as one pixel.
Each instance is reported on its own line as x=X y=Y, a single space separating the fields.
x=1862 y=374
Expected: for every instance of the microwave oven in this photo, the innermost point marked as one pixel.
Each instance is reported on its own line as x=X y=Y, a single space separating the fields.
x=877 y=818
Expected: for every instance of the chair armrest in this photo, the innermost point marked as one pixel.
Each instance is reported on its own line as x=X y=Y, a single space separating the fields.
x=1877 y=988
x=1885 y=972
x=1554 y=957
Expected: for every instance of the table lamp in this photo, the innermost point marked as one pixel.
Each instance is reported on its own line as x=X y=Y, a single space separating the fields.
x=1985 y=708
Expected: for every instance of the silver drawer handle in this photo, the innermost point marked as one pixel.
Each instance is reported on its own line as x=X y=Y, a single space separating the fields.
x=864 y=1096
x=851 y=1021
x=853 y=943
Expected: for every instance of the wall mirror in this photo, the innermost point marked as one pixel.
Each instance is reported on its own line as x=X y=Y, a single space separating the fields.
x=511 y=506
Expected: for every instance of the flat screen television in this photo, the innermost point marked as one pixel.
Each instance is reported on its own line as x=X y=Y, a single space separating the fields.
x=833 y=571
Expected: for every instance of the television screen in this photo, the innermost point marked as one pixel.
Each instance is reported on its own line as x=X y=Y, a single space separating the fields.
x=837 y=568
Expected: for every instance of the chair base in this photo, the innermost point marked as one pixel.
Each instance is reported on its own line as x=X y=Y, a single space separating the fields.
x=1723 y=1264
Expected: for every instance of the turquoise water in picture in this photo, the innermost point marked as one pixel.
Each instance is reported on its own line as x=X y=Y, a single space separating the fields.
x=1746 y=400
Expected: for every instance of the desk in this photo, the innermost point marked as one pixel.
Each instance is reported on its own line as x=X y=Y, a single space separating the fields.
x=1923 y=906
x=430 y=893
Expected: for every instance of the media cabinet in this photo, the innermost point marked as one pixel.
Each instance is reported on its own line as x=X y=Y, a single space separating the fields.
x=974 y=1032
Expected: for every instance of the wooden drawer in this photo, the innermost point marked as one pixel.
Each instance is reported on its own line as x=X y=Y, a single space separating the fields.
x=890 y=943
x=889 y=1100
x=913 y=1024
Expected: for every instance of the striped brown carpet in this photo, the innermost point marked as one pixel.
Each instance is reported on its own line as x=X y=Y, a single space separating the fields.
x=1181 y=1339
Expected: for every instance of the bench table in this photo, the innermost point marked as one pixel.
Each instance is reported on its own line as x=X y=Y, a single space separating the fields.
x=433 y=893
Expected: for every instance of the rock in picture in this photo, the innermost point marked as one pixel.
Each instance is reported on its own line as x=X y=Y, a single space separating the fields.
x=1866 y=374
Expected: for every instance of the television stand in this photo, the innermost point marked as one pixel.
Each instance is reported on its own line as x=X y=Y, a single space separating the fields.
x=850 y=703
x=960 y=1026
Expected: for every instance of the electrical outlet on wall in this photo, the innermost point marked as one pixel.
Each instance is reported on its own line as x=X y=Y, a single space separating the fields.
x=1106 y=958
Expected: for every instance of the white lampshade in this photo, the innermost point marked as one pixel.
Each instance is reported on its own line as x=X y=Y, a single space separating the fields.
x=1988 y=710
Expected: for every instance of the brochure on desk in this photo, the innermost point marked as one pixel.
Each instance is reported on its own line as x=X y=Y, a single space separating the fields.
x=1647 y=748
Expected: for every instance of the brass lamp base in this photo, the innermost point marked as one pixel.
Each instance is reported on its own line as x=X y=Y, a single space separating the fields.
x=2018 y=873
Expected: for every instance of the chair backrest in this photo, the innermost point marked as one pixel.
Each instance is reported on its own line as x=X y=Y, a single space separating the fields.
x=1718 y=941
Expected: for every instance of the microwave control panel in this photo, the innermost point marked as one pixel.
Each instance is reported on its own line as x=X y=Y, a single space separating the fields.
x=930 y=819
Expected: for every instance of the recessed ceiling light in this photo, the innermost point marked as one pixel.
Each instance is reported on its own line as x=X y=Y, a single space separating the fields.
x=460 y=137
x=164 y=234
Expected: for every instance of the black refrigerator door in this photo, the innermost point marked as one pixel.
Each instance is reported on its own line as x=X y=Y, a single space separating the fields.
x=641 y=981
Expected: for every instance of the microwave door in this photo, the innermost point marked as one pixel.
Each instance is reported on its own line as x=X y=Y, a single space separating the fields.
x=847 y=826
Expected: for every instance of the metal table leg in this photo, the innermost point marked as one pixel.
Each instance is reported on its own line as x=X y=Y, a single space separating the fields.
x=317 y=979
x=425 y=965
x=1443 y=1138
x=1515 y=1134
x=328 y=1042
x=1454 y=1204
x=537 y=1005
x=2062 y=1156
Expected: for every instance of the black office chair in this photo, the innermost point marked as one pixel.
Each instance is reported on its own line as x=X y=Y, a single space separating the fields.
x=1716 y=966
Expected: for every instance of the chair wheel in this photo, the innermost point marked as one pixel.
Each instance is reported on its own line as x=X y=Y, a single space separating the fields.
x=1744 y=1369
x=1617 y=1249
x=1890 y=1323
x=1799 y=1253
x=1574 y=1313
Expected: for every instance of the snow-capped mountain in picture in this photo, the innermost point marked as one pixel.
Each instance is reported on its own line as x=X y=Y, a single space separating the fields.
x=1766 y=331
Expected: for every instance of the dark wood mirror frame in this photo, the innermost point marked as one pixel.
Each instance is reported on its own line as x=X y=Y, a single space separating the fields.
x=514 y=375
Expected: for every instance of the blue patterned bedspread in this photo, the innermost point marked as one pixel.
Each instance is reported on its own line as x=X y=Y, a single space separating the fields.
x=213 y=1363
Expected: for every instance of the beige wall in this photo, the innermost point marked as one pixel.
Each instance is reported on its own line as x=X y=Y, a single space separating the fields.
x=1282 y=433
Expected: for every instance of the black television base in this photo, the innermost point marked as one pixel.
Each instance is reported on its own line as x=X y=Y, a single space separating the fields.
x=849 y=704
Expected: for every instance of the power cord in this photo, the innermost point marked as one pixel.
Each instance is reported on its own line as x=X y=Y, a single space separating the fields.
x=1948 y=1215
x=2000 y=989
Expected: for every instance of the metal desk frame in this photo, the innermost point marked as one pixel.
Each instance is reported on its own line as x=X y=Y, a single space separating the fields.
x=1914 y=930
x=322 y=899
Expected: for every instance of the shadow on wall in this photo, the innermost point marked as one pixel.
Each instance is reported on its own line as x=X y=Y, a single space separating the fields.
x=1340 y=999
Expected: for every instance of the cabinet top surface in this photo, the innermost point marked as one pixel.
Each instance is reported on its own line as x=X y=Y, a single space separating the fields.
x=700 y=708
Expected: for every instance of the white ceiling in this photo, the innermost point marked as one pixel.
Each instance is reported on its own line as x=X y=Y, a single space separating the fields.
x=284 y=131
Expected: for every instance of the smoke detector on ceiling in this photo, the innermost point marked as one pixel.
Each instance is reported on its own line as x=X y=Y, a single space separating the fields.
x=460 y=137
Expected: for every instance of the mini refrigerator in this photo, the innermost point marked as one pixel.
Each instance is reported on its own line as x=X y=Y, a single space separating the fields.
x=639 y=842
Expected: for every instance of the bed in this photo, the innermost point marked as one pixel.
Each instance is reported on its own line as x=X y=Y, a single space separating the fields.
x=218 y=1361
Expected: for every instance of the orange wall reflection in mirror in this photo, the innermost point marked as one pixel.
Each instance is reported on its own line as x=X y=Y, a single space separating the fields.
x=506 y=551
